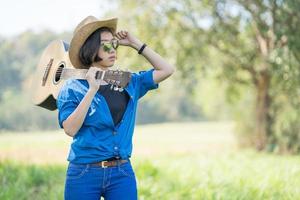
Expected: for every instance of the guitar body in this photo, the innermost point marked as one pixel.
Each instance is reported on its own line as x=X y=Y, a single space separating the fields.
x=47 y=81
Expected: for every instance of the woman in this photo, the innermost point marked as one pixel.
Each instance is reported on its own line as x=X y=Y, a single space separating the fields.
x=101 y=120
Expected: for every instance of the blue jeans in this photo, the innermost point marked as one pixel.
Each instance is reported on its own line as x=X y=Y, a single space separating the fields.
x=87 y=182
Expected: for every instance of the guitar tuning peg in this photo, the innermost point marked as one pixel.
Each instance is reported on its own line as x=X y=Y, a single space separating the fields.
x=121 y=89
x=111 y=87
x=116 y=88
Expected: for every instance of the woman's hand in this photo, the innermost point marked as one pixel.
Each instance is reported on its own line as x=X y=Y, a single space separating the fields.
x=94 y=83
x=128 y=39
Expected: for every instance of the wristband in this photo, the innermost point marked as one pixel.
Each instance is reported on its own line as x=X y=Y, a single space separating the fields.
x=142 y=48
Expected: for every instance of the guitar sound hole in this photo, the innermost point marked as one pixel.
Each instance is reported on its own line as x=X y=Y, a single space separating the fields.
x=59 y=70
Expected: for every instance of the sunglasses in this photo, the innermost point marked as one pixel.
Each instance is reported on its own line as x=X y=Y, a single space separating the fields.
x=108 y=46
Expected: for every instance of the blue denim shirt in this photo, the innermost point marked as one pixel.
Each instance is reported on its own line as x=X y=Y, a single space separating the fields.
x=98 y=138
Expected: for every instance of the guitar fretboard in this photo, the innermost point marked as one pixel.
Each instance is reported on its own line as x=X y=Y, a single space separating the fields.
x=75 y=73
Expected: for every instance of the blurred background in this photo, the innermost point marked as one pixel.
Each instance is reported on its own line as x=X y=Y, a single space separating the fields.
x=226 y=125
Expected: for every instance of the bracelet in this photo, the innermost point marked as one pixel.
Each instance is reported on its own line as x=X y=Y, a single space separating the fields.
x=142 y=48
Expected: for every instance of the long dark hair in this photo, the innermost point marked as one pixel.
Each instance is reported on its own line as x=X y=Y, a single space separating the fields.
x=88 y=53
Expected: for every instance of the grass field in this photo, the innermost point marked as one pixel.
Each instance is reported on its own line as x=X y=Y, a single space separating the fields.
x=172 y=161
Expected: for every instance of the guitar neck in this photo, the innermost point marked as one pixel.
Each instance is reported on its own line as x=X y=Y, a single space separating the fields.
x=114 y=77
x=75 y=73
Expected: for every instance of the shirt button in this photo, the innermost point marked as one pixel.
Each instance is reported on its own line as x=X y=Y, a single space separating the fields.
x=116 y=148
x=114 y=132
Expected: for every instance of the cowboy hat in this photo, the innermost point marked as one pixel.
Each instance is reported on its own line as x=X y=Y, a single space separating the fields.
x=83 y=30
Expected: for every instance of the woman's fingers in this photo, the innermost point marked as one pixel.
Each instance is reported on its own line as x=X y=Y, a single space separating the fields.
x=122 y=34
x=123 y=37
x=118 y=37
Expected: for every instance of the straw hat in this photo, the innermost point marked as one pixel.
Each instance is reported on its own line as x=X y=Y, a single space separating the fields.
x=83 y=30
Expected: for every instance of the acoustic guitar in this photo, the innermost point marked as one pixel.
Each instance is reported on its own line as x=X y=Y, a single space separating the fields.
x=55 y=67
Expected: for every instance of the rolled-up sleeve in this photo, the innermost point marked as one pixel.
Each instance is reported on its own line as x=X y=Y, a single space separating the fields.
x=146 y=82
x=66 y=104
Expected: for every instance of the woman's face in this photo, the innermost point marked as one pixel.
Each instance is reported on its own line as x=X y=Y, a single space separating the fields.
x=106 y=51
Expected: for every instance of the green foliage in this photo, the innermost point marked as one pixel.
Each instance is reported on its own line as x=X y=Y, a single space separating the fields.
x=256 y=42
x=19 y=181
x=245 y=175
x=18 y=113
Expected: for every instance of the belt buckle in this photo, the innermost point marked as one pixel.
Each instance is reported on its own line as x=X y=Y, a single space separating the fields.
x=102 y=164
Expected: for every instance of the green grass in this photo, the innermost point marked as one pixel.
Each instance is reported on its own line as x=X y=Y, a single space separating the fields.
x=19 y=181
x=245 y=175
x=171 y=161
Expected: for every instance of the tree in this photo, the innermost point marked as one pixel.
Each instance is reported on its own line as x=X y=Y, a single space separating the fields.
x=258 y=38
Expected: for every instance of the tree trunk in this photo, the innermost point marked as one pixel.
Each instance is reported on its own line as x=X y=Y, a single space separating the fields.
x=262 y=116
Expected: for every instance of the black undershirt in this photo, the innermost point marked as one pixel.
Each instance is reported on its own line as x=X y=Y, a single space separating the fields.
x=117 y=101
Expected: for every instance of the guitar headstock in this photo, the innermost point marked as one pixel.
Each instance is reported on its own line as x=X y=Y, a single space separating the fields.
x=117 y=78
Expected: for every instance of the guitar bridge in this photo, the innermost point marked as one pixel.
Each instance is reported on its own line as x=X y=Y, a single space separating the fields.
x=46 y=73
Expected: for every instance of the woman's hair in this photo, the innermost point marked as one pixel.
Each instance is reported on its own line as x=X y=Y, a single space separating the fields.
x=88 y=53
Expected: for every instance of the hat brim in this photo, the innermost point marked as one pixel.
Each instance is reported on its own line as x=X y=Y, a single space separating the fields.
x=82 y=34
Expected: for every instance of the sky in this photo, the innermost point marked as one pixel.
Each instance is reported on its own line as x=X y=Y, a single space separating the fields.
x=17 y=16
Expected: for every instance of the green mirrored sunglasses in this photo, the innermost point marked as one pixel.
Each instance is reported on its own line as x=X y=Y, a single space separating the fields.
x=108 y=46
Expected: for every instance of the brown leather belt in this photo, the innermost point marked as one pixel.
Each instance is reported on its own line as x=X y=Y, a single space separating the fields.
x=112 y=163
